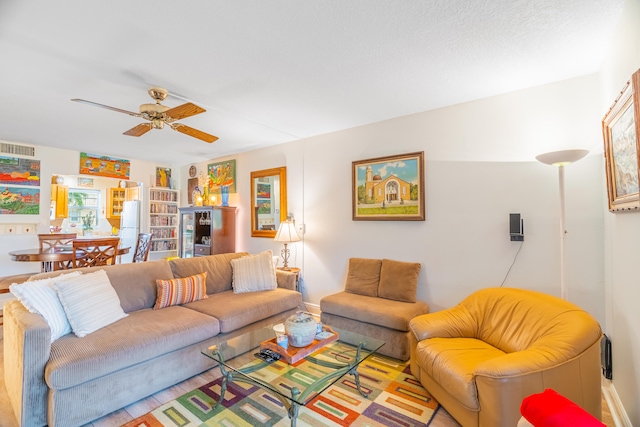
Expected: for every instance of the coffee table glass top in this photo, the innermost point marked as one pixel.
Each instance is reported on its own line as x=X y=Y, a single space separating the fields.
x=299 y=382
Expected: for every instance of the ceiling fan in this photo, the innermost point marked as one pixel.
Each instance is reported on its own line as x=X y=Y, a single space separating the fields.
x=159 y=115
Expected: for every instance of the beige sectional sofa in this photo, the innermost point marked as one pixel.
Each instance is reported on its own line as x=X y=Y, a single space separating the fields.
x=72 y=380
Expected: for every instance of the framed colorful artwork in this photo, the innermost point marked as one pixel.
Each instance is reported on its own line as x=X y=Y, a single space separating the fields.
x=264 y=206
x=263 y=191
x=95 y=164
x=19 y=201
x=19 y=171
x=85 y=182
x=222 y=174
x=163 y=177
x=389 y=188
x=621 y=132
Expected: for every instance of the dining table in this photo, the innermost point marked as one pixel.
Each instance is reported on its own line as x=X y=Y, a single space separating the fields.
x=52 y=256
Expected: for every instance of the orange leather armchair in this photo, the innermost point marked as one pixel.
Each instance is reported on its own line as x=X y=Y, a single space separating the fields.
x=481 y=358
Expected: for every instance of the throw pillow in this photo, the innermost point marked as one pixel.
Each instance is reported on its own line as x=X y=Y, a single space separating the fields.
x=90 y=302
x=398 y=280
x=40 y=297
x=181 y=290
x=363 y=276
x=551 y=409
x=254 y=273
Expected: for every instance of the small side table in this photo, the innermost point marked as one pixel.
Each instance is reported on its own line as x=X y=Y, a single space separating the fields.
x=294 y=270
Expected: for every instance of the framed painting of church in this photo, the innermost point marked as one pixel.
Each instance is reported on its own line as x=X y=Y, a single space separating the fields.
x=389 y=188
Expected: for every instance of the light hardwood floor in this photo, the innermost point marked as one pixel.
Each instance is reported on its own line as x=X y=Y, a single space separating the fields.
x=141 y=407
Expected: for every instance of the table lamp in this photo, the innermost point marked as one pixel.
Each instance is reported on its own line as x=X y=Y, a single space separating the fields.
x=287 y=233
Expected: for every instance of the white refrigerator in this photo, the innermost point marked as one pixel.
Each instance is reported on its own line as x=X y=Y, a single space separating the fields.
x=129 y=228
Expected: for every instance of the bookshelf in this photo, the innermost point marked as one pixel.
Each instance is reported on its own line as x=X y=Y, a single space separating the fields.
x=163 y=220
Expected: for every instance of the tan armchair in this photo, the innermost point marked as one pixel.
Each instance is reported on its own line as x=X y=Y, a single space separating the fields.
x=379 y=300
x=481 y=358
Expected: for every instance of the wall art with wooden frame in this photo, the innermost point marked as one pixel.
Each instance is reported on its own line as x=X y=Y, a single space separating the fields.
x=389 y=188
x=621 y=133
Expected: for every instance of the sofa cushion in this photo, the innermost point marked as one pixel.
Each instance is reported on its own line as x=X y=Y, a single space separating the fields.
x=452 y=363
x=234 y=311
x=254 y=273
x=89 y=301
x=363 y=276
x=376 y=311
x=398 y=280
x=141 y=336
x=40 y=297
x=181 y=291
x=144 y=275
x=217 y=267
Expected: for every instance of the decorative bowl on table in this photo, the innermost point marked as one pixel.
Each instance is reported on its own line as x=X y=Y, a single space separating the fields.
x=301 y=329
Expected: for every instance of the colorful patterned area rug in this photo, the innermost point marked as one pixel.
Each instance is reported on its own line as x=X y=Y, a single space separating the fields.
x=396 y=399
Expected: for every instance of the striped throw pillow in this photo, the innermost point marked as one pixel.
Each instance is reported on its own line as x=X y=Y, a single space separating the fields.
x=181 y=290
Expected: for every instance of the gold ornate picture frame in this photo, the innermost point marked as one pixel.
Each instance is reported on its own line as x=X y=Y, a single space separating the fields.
x=389 y=188
x=621 y=133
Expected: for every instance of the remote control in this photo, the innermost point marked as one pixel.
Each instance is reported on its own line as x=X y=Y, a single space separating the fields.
x=268 y=355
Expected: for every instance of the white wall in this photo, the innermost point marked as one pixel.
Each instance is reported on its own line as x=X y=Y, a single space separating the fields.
x=464 y=243
x=622 y=233
x=52 y=161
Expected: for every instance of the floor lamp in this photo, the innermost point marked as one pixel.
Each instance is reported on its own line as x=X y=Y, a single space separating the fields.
x=562 y=159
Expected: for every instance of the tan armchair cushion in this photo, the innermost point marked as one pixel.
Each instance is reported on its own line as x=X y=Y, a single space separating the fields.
x=398 y=280
x=363 y=276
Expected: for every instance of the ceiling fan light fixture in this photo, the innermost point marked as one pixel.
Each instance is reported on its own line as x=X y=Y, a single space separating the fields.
x=158 y=114
x=158 y=93
x=153 y=108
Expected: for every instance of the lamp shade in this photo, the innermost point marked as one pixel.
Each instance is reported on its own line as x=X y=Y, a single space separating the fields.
x=561 y=158
x=287 y=232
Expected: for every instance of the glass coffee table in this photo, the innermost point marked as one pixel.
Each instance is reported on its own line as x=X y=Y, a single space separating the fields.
x=294 y=384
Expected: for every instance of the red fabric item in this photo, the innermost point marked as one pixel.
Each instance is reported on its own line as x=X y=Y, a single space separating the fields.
x=550 y=409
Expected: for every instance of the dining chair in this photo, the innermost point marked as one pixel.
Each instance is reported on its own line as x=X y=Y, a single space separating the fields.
x=143 y=245
x=49 y=241
x=94 y=252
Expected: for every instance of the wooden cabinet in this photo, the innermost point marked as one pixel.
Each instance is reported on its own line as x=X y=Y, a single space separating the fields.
x=59 y=201
x=115 y=201
x=132 y=193
x=163 y=220
x=207 y=230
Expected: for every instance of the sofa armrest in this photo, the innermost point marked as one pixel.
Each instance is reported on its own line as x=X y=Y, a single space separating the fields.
x=27 y=345
x=504 y=387
x=454 y=322
x=286 y=280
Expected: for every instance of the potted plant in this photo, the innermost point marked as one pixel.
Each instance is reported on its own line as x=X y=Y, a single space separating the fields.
x=87 y=224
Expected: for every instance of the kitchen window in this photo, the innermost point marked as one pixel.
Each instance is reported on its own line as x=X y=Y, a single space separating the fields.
x=81 y=203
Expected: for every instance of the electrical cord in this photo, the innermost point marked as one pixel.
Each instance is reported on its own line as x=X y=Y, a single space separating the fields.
x=512 y=264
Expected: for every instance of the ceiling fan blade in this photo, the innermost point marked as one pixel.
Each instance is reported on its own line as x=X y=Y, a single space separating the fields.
x=139 y=130
x=193 y=132
x=95 y=104
x=182 y=111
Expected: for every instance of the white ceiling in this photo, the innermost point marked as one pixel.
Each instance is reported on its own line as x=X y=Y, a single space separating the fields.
x=272 y=71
